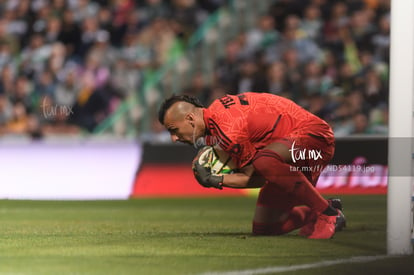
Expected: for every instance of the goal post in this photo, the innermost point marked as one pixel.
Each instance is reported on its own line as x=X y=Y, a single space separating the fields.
x=400 y=146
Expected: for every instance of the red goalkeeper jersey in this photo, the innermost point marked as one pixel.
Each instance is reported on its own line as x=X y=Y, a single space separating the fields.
x=242 y=124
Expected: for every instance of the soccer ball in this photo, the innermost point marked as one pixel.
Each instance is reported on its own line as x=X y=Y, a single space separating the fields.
x=217 y=160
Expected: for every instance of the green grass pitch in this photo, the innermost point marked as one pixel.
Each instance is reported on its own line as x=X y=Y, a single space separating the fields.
x=179 y=236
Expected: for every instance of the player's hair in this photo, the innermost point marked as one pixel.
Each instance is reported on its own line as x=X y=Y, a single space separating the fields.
x=176 y=98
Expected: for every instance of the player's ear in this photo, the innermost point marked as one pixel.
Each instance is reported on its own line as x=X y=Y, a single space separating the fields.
x=190 y=118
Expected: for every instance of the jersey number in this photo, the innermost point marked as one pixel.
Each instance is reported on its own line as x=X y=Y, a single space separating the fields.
x=228 y=101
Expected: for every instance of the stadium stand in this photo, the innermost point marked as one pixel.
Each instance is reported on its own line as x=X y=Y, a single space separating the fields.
x=76 y=67
x=65 y=65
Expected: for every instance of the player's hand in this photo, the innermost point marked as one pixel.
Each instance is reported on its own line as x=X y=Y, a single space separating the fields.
x=205 y=178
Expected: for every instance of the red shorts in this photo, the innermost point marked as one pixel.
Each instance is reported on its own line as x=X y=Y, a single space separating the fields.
x=312 y=149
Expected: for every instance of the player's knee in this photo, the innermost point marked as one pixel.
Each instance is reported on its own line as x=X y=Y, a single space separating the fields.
x=266 y=229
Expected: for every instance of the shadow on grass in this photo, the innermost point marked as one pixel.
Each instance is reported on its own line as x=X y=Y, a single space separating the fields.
x=214 y=234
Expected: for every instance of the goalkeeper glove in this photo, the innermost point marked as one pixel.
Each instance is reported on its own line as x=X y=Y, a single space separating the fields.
x=205 y=178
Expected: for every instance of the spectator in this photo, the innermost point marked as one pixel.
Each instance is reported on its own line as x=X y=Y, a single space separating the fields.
x=53 y=29
x=227 y=66
x=198 y=88
x=264 y=35
x=163 y=39
x=153 y=9
x=381 y=40
x=6 y=110
x=67 y=88
x=8 y=39
x=292 y=37
x=276 y=82
x=331 y=32
x=248 y=78
x=375 y=92
x=90 y=30
x=103 y=50
x=313 y=81
x=294 y=72
x=362 y=28
x=58 y=8
x=18 y=124
x=187 y=14
x=35 y=55
x=21 y=91
x=85 y=9
x=70 y=34
x=124 y=79
x=57 y=60
x=362 y=126
x=7 y=80
x=312 y=23
x=45 y=84
x=120 y=11
x=92 y=54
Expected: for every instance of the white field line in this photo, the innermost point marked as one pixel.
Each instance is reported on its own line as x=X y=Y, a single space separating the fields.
x=278 y=269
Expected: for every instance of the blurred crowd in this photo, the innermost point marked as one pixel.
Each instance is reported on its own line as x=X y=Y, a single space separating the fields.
x=65 y=65
x=331 y=57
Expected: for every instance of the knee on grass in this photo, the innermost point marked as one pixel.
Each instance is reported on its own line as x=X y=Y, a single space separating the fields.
x=267 y=229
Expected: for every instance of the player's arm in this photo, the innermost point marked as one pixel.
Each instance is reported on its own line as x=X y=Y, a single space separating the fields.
x=245 y=178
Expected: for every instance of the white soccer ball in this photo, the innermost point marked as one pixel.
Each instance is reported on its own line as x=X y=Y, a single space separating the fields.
x=217 y=160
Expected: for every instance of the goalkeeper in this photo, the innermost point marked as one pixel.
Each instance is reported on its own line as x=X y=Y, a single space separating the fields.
x=277 y=138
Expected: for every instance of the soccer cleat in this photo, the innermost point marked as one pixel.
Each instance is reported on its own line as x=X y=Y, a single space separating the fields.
x=324 y=227
x=307 y=229
x=340 y=218
x=335 y=203
x=340 y=221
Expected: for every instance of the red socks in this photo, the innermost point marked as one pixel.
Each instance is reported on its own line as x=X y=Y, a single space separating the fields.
x=273 y=168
